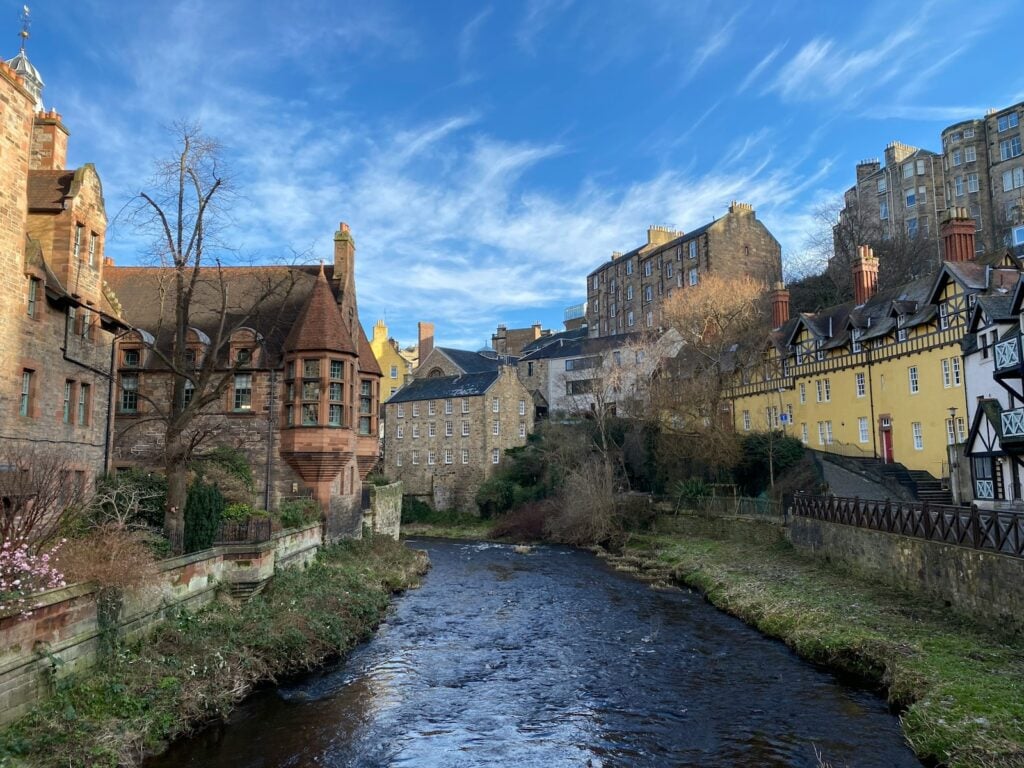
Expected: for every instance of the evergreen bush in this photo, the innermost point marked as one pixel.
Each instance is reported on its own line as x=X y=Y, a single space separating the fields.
x=203 y=511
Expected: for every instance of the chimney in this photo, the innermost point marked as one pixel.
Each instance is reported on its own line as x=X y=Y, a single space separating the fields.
x=958 y=235
x=865 y=274
x=345 y=274
x=425 y=332
x=49 y=149
x=780 y=305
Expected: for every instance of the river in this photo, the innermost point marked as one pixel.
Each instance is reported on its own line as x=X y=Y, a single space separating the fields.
x=553 y=659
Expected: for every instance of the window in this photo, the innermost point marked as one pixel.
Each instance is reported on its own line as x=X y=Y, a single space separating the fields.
x=310 y=369
x=522 y=407
x=650 y=319
x=496 y=427
x=337 y=370
x=1009 y=148
x=33 y=296
x=803 y=393
x=398 y=459
x=400 y=432
x=629 y=267
x=465 y=406
x=883 y=210
x=915 y=428
x=804 y=436
x=529 y=369
x=922 y=195
x=243 y=392
x=861 y=389
x=1018 y=235
x=958 y=186
x=289 y=415
x=431 y=408
x=334 y=415
x=92 y=249
x=1013 y=179
x=447 y=407
x=911 y=197
x=495 y=405
x=495 y=456
x=593 y=282
x=970 y=155
x=855 y=345
x=630 y=318
x=449 y=429
x=693 y=277
x=243 y=356
x=310 y=390
x=365 y=406
x=908 y=170
x=448 y=455
x=629 y=292
x=912 y=228
x=972 y=182
x=1006 y=122
x=693 y=249
x=394 y=371
x=921 y=165
x=431 y=457
x=746 y=421
x=968 y=133
x=72 y=321
x=828 y=433
x=668 y=270
x=84 y=393
x=961 y=429
x=958 y=157
x=827 y=390
x=862 y=429
x=647 y=268
x=950 y=432
x=915 y=386
x=69 y=388
x=956 y=371
x=465 y=429
x=415 y=431
x=947 y=375
x=648 y=293
x=310 y=414
x=415 y=457
x=465 y=456
x=431 y=429
x=401 y=411
x=883 y=186
x=76 y=249
x=821 y=433
x=129 y=393
x=522 y=429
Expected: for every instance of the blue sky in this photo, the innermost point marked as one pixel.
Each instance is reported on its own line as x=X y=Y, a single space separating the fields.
x=488 y=156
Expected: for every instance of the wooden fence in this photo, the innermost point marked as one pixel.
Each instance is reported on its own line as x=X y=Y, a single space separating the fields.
x=742 y=506
x=985 y=529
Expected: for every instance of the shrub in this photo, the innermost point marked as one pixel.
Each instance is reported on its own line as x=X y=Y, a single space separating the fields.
x=416 y=511
x=109 y=556
x=228 y=468
x=23 y=573
x=296 y=513
x=130 y=497
x=237 y=513
x=495 y=496
x=525 y=523
x=586 y=513
x=378 y=478
x=686 y=492
x=203 y=509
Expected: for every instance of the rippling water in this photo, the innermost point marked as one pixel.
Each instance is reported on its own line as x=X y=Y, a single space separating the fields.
x=552 y=659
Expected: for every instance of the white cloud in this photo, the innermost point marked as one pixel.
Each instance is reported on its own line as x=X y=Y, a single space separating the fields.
x=760 y=67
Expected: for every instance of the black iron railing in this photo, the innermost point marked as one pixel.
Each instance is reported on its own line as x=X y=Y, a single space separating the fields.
x=255 y=529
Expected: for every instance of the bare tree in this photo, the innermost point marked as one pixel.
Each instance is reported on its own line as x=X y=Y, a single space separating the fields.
x=185 y=214
x=38 y=490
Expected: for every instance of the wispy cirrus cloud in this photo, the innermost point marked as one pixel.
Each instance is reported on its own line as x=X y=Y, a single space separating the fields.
x=760 y=67
x=713 y=44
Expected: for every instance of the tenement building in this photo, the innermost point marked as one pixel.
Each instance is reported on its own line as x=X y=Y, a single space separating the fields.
x=58 y=318
x=445 y=434
x=296 y=382
x=626 y=293
x=393 y=365
x=881 y=376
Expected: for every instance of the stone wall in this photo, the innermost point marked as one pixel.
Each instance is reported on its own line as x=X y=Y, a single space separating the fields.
x=982 y=584
x=384 y=515
x=66 y=624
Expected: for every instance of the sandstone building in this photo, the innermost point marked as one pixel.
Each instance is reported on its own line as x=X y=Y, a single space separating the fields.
x=445 y=434
x=626 y=293
x=58 y=318
x=302 y=385
x=393 y=364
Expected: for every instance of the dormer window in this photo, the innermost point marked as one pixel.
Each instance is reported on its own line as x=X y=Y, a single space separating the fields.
x=131 y=358
x=901 y=332
x=243 y=356
x=855 y=345
x=943 y=316
x=818 y=344
x=799 y=352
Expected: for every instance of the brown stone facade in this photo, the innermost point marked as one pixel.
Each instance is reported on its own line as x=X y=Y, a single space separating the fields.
x=57 y=323
x=626 y=294
x=446 y=444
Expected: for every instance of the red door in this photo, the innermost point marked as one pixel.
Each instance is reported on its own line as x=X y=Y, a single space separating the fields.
x=885 y=427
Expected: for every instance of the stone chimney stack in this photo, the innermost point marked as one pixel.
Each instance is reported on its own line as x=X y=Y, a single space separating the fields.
x=865 y=274
x=345 y=274
x=49 y=151
x=958 y=235
x=780 y=305
x=425 y=332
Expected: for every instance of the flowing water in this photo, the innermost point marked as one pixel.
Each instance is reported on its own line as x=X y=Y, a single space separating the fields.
x=553 y=659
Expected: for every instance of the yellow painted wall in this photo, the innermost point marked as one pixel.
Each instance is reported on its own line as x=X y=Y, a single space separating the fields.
x=392 y=364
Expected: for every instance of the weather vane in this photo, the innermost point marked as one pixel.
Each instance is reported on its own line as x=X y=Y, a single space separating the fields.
x=26 y=21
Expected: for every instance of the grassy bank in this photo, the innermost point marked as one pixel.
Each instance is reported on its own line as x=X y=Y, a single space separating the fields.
x=197 y=666
x=960 y=685
x=445 y=524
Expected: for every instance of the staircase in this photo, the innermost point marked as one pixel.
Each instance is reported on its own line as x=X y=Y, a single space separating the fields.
x=929 y=489
x=915 y=484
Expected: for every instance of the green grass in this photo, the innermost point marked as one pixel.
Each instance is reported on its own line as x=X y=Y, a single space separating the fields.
x=196 y=666
x=445 y=524
x=960 y=685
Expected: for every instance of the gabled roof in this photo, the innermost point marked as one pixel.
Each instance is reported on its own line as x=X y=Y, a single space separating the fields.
x=543 y=341
x=48 y=189
x=564 y=348
x=993 y=309
x=473 y=362
x=320 y=326
x=443 y=387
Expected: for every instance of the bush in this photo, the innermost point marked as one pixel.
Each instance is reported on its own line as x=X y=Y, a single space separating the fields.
x=416 y=511
x=228 y=468
x=762 y=453
x=203 y=510
x=586 y=512
x=525 y=523
x=378 y=478
x=495 y=496
x=686 y=492
x=237 y=513
x=295 y=513
x=130 y=497
x=109 y=556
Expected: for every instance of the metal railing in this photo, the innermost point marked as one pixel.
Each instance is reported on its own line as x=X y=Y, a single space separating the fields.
x=990 y=530
x=739 y=506
x=255 y=529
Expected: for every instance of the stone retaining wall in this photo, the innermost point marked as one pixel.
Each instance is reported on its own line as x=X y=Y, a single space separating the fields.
x=384 y=516
x=63 y=634
x=982 y=584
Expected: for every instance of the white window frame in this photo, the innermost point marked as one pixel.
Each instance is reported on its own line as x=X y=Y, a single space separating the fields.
x=860 y=384
x=496 y=427
x=449 y=456
x=465 y=455
x=400 y=432
x=863 y=429
x=495 y=456
x=746 y=421
x=913 y=379
x=465 y=429
x=915 y=428
x=947 y=376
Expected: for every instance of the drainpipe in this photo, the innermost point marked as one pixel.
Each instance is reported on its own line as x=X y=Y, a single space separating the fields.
x=871 y=404
x=271 y=429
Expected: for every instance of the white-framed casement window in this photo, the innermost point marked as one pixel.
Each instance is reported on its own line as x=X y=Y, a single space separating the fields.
x=69 y=389
x=400 y=411
x=883 y=210
x=947 y=373
x=746 y=421
x=630 y=319
x=958 y=157
x=495 y=405
x=650 y=319
x=398 y=458
x=465 y=455
x=911 y=197
x=694 y=277
x=692 y=249
x=957 y=379
x=522 y=407
x=415 y=409
x=950 y=432
x=883 y=185
x=804 y=436
x=821 y=433
x=394 y=371
x=431 y=429
x=242 y=399
x=668 y=270
x=972 y=182
x=522 y=429
x=629 y=292
x=1013 y=179
x=415 y=457
x=915 y=384
x=465 y=429
x=648 y=294
x=449 y=429
x=915 y=428
x=647 y=268
x=496 y=427
x=970 y=154
x=449 y=456
x=921 y=167
x=943 y=316
x=447 y=407
x=968 y=133
x=860 y=384
x=415 y=431
x=818 y=386
x=431 y=408
x=863 y=433
x=465 y=406
x=431 y=457
x=827 y=390
x=495 y=456
x=84 y=401
x=828 y=433
x=803 y=393
x=961 y=429
x=629 y=266
x=908 y=170
x=1006 y=122
x=1009 y=148
x=400 y=432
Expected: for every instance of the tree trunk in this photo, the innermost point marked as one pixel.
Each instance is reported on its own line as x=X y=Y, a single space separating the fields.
x=176 y=467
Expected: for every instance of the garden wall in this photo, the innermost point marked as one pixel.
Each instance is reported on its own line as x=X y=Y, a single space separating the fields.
x=384 y=515
x=63 y=634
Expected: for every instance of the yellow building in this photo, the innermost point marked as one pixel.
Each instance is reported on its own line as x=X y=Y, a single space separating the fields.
x=392 y=364
x=882 y=376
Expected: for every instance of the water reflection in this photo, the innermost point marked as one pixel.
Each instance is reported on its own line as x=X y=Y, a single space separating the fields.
x=550 y=659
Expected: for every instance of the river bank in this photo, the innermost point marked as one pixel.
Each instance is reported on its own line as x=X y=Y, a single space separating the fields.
x=196 y=666
x=959 y=685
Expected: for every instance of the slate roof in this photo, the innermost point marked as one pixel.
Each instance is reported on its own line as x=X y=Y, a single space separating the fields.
x=473 y=362
x=443 y=387
x=543 y=341
x=577 y=347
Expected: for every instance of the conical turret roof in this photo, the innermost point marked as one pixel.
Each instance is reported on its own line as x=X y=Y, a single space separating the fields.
x=320 y=326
